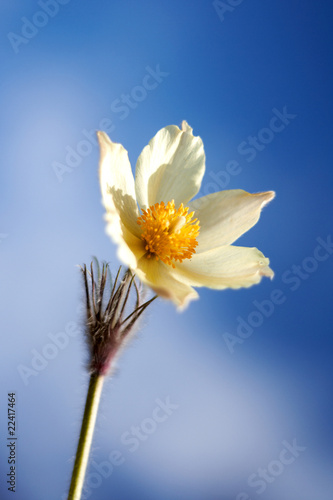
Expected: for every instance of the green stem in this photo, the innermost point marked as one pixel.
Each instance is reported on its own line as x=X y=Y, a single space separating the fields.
x=86 y=435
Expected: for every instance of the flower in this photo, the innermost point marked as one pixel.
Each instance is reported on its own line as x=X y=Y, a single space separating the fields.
x=173 y=244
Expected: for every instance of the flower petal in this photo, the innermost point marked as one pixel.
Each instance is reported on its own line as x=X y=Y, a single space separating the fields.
x=171 y=167
x=157 y=275
x=224 y=267
x=130 y=247
x=117 y=184
x=226 y=215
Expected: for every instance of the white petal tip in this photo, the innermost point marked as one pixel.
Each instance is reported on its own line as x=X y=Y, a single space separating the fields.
x=186 y=127
x=181 y=303
x=192 y=296
x=102 y=136
x=267 y=271
x=267 y=197
x=104 y=141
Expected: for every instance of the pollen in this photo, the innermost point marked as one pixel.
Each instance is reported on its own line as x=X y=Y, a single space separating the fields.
x=169 y=235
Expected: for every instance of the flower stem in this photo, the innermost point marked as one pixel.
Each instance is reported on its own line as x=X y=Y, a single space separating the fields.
x=86 y=435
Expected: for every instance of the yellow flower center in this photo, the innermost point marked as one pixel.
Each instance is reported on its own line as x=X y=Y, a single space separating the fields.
x=169 y=234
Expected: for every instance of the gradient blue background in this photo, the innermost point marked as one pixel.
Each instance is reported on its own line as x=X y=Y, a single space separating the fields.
x=235 y=409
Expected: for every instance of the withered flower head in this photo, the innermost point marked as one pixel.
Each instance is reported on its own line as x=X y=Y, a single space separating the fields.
x=109 y=324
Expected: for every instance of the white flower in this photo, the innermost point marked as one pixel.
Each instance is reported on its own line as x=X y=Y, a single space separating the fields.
x=172 y=244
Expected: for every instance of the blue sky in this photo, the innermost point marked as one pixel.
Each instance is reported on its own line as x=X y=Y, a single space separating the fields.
x=70 y=68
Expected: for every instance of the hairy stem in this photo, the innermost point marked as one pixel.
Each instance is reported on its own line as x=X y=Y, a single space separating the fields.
x=86 y=435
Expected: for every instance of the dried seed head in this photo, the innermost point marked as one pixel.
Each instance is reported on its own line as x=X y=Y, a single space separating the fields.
x=108 y=328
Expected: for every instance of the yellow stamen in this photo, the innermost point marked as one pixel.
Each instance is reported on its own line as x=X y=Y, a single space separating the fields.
x=169 y=234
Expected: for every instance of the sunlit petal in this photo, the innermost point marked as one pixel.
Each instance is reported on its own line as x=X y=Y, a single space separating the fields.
x=117 y=184
x=171 y=167
x=224 y=267
x=157 y=275
x=226 y=215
